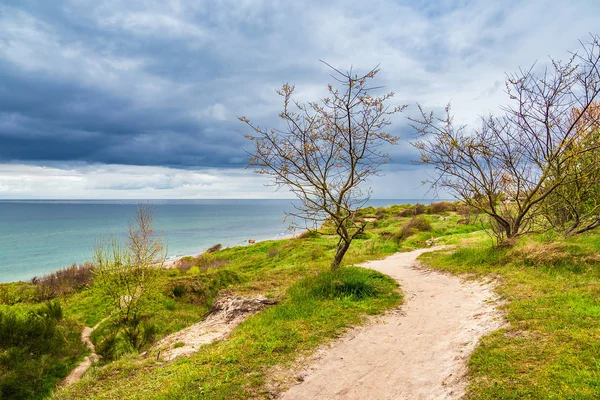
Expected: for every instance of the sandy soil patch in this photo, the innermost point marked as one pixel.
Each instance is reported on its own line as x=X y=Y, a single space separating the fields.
x=227 y=313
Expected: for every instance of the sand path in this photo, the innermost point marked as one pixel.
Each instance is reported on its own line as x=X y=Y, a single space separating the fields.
x=417 y=352
x=87 y=362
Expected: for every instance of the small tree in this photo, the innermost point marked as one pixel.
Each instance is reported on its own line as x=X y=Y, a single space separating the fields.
x=126 y=274
x=327 y=151
x=507 y=168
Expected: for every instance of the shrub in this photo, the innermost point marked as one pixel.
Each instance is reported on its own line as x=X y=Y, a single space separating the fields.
x=18 y=292
x=347 y=282
x=468 y=213
x=184 y=264
x=202 y=288
x=169 y=304
x=273 y=252
x=64 y=281
x=214 y=248
x=361 y=236
x=37 y=349
x=420 y=224
x=380 y=212
x=317 y=253
x=415 y=224
x=207 y=261
x=178 y=290
x=308 y=235
x=420 y=209
x=417 y=209
x=441 y=206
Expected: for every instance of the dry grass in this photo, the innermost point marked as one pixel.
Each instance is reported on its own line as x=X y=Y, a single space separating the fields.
x=538 y=254
x=64 y=281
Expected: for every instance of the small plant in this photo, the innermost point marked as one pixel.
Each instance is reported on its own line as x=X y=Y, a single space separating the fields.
x=214 y=248
x=169 y=304
x=273 y=252
x=441 y=207
x=178 y=290
x=184 y=264
x=415 y=224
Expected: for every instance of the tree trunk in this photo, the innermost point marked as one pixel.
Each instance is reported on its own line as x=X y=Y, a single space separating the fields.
x=339 y=254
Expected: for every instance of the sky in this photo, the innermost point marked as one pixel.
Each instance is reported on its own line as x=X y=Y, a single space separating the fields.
x=139 y=99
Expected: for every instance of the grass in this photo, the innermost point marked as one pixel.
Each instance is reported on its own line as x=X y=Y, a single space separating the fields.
x=38 y=348
x=551 y=346
x=314 y=306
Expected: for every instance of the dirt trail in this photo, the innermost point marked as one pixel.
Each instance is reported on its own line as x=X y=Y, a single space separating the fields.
x=417 y=352
x=87 y=362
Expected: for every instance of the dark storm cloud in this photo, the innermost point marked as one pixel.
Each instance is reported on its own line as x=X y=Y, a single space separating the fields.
x=161 y=82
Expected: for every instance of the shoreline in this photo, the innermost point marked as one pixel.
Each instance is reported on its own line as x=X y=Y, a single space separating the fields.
x=171 y=261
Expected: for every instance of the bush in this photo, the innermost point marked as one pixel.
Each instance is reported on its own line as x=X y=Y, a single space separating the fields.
x=417 y=209
x=416 y=224
x=178 y=290
x=317 y=253
x=18 y=292
x=468 y=213
x=347 y=282
x=202 y=288
x=308 y=235
x=184 y=264
x=361 y=236
x=37 y=349
x=214 y=248
x=273 y=252
x=381 y=212
x=64 y=281
x=441 y=206
x=209 y=261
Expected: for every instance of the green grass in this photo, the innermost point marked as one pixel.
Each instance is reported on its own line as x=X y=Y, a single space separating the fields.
x=551 y=289
x=38 y=349
x=316 y=309
x=314 y=306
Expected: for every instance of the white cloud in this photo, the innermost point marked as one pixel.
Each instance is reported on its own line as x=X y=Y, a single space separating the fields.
x=235 y=53
x=19 y=181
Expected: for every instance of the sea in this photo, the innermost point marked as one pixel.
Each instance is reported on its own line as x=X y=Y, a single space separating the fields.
x=40 y=236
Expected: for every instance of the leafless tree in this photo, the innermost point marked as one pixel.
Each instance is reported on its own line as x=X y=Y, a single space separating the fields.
x=574 y=207
x=126 y=275
x=327 y=152
x=506 y=167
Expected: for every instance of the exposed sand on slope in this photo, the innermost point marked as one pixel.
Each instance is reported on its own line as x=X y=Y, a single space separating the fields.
x=417 y=352
x=227 y=313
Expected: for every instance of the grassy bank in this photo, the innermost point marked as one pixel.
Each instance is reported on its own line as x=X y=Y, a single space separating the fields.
x=38 y=347
x=313 y=307
x=551 y=288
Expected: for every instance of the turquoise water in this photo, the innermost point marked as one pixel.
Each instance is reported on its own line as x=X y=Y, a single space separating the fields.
x=37 y=237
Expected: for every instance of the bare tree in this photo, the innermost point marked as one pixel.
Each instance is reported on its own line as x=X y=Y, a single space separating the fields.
x=126 y=275
x=506 y=168
x=574 y=207
x=327 y=151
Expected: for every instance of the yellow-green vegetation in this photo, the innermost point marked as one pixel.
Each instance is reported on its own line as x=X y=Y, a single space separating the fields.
x=314 y=306
x=551 y=291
